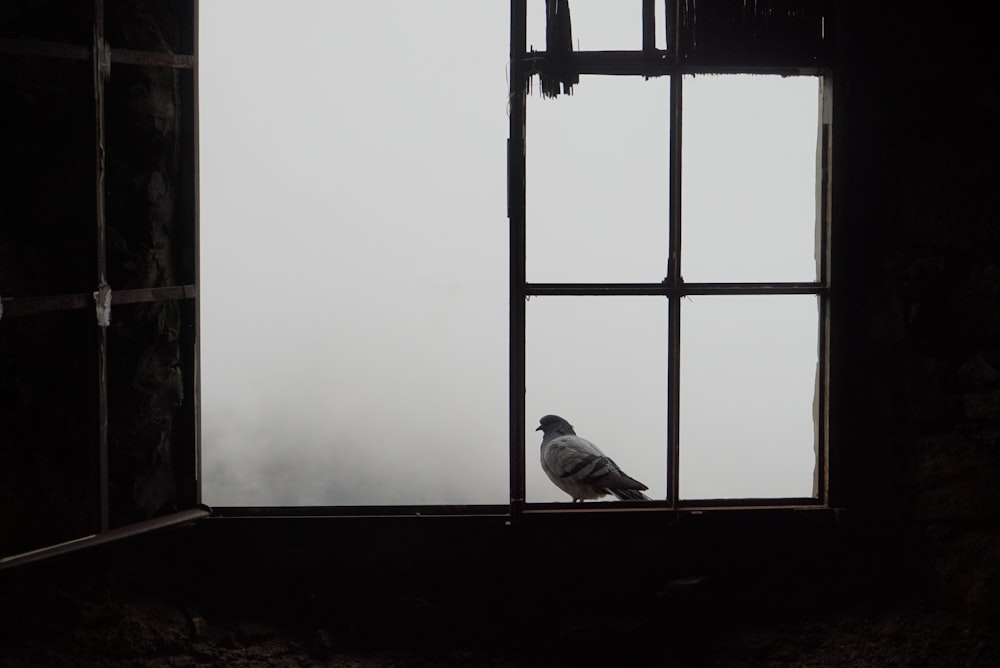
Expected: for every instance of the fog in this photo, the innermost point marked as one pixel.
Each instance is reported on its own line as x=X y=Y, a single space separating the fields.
x=354 y=265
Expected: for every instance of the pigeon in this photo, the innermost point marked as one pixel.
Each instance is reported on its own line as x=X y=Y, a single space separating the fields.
x=579 y=468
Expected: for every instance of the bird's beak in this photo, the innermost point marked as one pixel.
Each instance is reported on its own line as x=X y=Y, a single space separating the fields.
x=538 y=428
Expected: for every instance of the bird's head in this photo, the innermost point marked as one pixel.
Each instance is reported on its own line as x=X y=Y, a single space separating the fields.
x=554 y=424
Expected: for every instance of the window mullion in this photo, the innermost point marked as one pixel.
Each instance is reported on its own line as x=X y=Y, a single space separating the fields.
x=674 y=280
x=822 y=482
x=668 y=290
x=102 y=502
x=648 y=26
x=518 y=259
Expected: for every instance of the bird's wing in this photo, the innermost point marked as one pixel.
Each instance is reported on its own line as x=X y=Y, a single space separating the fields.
x=576 y=460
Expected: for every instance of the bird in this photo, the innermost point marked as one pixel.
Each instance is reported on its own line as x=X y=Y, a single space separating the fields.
x=579 y=468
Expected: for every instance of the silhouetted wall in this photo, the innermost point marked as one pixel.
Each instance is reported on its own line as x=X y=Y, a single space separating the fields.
x=915 y=413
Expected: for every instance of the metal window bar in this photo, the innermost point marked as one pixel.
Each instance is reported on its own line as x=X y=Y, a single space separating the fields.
x=22 y=306
x=651 y=62
x=671 y=289
x=17 y=561
x=648 y=26
x=26 y=47
x=519 y=79
x=674 y=280
x=100 y=66
x=655 y=64
x=194 y=465
x=823 y=222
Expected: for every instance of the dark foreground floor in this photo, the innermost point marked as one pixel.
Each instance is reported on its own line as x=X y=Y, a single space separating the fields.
x=116 y=629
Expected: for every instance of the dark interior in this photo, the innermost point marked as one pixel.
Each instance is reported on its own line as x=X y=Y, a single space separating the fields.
x=97 y=424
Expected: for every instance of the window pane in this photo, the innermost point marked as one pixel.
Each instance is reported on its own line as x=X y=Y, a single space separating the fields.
x=600 y=363
x=597 y=182
x=598 y=25
x=660 y=23
x=749 y=186
x=354 y=253
x=748 y=387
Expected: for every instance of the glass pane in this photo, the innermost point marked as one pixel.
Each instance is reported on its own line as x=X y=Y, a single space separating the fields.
x=749 y=186
x=598 y=25
x=660 y=22
x=597 y=182
x=600 y=363
x=354 y=253
x=748 y=388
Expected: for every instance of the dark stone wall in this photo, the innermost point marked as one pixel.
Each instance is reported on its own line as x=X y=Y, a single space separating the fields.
x=918 y=308
x=146 y=384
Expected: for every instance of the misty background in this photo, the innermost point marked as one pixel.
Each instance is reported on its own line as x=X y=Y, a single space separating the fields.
x=354 y=265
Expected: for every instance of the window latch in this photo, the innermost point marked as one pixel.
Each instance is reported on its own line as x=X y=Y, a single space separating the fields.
x=102 y=301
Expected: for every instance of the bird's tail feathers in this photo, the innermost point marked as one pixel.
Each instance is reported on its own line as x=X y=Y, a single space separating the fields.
x=629 y=495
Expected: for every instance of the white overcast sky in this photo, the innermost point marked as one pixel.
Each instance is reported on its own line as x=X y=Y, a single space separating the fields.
x=354 y=259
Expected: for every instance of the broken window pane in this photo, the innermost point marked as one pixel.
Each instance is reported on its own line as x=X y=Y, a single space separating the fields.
x=660 y=26
x=748 y=383
x=599 y=362
x=749 y=185
x=598 y=25
x=597 y=182
x=354 y=253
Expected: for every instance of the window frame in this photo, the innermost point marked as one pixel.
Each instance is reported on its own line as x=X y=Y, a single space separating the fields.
x=105 y=57
x=678 y=59
x=560 y=67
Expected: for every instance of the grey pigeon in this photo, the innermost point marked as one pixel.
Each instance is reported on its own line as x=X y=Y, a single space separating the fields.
x=579 y=468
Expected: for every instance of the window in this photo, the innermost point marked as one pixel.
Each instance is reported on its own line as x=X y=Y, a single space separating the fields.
x=98 y=275
x=102 y=392
x=398 y=269
x=691 y=233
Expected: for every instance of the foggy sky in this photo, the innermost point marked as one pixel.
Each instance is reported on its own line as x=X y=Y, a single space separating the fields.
x=354 y=260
